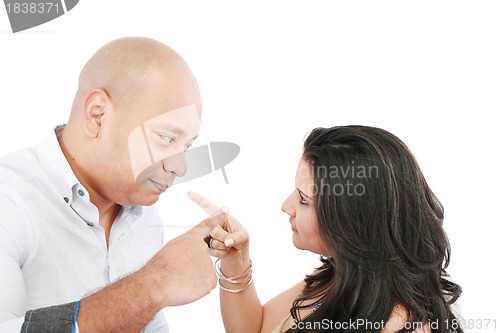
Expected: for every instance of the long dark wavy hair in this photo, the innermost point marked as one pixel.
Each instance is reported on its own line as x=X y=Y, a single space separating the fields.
x=383 y=223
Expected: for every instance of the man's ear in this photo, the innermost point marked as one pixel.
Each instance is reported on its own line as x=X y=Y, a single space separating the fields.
x=93 y=110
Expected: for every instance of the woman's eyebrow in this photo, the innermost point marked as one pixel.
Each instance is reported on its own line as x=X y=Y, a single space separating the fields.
x=303 y=194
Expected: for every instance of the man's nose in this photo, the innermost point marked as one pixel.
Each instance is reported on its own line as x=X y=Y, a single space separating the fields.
x=176 y=164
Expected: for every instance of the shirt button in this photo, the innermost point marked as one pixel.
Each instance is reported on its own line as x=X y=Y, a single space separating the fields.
x=66 y=199
x=81 y=193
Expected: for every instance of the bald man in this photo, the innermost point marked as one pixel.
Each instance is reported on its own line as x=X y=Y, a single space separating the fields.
x=80 y=244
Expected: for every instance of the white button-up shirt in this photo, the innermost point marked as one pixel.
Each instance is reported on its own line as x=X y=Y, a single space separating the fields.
x=52 y=248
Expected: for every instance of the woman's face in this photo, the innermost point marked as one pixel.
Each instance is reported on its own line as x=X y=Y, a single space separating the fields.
x=300 y=207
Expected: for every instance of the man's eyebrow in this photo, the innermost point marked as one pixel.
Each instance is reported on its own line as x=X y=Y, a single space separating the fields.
x=175 y=129
x=170 y=127
x=303 y=194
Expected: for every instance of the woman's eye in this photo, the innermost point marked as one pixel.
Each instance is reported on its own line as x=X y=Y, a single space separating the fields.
x=188 y=147
x=166 y=138
x=303 y=201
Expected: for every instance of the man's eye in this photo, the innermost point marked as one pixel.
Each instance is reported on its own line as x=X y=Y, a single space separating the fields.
x=166 y=138
x=188 y=147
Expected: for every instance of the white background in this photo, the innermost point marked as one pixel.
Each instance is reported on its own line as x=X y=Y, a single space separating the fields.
x=270 y=71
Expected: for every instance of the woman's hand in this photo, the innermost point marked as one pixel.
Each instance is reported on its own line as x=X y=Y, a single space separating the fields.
x=230 y=239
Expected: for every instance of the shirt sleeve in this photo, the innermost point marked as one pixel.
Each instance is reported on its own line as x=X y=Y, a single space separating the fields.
x=13 y=251
x=15 y=326
x=12 y=326
x=53 y=319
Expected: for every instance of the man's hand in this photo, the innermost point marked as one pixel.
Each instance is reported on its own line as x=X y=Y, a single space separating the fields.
x=180 y=273
x=183 y=266
x=230 y=240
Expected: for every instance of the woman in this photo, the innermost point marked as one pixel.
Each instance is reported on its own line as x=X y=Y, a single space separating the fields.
x=362 y=203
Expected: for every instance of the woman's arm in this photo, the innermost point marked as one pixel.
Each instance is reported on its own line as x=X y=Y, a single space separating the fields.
x=279 y=307
x=242 y=312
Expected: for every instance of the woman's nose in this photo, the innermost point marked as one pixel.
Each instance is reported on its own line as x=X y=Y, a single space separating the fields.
x=287 y=206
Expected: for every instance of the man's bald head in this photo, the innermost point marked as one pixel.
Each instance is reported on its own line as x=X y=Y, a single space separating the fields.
x=126 y=67
x=131 y=86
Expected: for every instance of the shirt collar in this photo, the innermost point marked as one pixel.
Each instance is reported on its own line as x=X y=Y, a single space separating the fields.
x=61 y=175
x=56 y=166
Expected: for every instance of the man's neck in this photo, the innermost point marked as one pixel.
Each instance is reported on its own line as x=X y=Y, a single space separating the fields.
x=108 y=210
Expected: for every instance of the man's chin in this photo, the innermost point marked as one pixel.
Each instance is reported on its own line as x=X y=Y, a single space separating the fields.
x=146 y=197
x=151 y=198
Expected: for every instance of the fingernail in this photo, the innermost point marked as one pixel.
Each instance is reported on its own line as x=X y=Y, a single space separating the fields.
x=228 y=242
x=225 y=210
